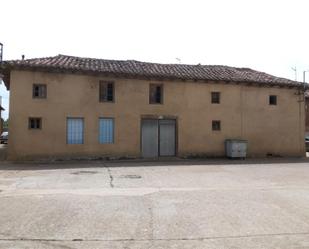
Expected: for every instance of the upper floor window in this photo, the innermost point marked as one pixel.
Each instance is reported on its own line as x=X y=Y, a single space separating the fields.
x=35 y=123
x=272 y=99
x=215 y=97
x=216 y=125
x=155 y=94
x=39 y=91
x=107 y=91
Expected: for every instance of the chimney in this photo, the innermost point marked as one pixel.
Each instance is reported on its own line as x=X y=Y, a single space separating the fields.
x=23 y=57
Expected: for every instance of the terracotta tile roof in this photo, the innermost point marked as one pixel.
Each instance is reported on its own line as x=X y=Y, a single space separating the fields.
x=145 y=70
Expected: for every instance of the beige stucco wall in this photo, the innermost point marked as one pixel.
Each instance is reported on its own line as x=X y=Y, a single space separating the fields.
x=244 y=113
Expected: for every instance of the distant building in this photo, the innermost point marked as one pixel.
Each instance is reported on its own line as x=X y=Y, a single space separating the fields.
x=72 y=106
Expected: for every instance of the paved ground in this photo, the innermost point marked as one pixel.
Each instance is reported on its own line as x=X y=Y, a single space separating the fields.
x=182 y=204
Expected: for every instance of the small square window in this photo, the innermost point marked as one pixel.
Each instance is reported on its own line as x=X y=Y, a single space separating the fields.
x=155 y=94
x=106 y=91
x=216 y=125
x=215 y=97
x=35 y=123
x=39 y=91
x=273 y=100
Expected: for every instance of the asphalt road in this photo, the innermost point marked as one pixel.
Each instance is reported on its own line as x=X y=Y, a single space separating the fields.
x=182 y=204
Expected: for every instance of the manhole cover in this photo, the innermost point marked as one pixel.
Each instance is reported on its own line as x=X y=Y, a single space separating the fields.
x=131 y=176
x=84 y=172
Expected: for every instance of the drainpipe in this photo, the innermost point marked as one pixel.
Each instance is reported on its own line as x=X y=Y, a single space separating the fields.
x=241 y=113
x=302 y=99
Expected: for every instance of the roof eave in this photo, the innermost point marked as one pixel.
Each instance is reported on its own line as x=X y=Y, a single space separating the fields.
x=6 y=70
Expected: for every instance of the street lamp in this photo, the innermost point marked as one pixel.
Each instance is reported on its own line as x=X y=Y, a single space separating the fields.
x=304 y=78
x=304 y=75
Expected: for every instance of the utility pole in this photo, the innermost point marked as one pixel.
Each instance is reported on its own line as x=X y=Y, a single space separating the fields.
x=1 y=52
x=304 y=78
x=304 y=75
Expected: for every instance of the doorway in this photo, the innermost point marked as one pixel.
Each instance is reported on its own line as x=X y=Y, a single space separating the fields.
x=158 y=137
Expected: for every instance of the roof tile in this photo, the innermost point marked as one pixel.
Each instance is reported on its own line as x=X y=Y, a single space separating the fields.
x=132 y=68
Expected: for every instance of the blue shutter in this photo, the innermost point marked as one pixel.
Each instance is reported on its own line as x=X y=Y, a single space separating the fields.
x=75 y=130
x=106 y=130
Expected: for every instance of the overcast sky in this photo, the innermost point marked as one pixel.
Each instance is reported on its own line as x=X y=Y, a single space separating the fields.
x=265 y=35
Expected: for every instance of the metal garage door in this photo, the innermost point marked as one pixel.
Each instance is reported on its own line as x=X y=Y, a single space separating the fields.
x=150 y=132
x=167 y=137
x=158 y=138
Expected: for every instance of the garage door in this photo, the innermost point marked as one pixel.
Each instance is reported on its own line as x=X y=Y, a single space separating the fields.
x=150 y=133
x=167 y=137
x=158 y=138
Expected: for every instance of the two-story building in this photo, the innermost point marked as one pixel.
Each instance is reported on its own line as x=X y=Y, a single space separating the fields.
x=72 y=106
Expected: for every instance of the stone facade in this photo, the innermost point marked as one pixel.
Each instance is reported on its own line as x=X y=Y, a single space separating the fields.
x=244 y=112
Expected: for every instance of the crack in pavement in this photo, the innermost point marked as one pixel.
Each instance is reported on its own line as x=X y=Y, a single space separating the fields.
x=158 y=239
x=111 y=178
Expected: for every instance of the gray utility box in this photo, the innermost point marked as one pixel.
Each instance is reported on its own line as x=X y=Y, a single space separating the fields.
x=236 y=148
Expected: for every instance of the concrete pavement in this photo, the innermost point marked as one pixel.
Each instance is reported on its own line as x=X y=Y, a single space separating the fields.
x=185 y=204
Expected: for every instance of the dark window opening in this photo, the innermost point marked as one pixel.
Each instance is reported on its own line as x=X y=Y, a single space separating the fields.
x=215 y=97
x=155 y=94
x=273 y=100
x=106 y=91
x=110 y=92
x=216 y=125
x=35 y=123
x=158 y=94
x=39 y=91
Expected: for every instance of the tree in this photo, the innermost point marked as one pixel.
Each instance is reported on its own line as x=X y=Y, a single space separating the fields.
x=6 y=124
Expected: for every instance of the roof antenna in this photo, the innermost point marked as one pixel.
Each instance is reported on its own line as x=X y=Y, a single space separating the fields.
x=295 y=71
x=178 y=60
x=22 y=57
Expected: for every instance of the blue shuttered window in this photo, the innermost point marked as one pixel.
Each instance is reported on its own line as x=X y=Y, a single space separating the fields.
x=75 y=130
x=106 y=130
